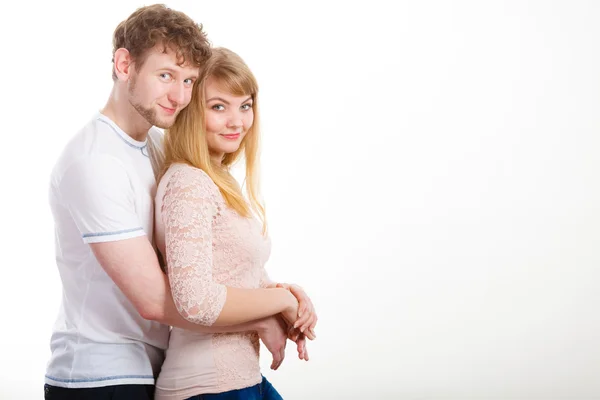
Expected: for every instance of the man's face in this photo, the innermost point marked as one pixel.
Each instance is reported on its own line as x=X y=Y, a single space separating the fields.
x=161 y=88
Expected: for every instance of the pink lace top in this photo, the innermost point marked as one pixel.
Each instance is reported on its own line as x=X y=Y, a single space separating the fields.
x=207 y=246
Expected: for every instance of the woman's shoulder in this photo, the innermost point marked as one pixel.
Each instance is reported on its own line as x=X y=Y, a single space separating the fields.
x=180 y=176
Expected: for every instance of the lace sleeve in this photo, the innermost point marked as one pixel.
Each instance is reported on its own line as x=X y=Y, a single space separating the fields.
x=189 y=205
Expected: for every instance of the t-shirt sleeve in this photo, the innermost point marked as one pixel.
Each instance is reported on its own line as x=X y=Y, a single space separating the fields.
x=98 y=193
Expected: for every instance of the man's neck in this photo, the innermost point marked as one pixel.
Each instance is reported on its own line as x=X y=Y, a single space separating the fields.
x=122 y=113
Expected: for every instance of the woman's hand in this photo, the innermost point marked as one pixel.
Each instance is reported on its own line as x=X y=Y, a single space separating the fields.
x=290 y=313
x=307 y=317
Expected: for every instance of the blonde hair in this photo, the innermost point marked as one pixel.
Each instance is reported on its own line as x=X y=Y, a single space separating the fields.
x=185 y=141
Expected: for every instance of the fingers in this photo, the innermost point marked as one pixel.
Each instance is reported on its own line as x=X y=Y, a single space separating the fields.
x=306 y=324
x=301 y=347
x=305 y=311
x=309 y=324
x=282 y=356
x=298 y=293
x=307 y=318
x=296 y=290
x=304 y=352
x=302 y=320
x=276 y=361
x=300 y=339
x=303 y=308
x=293 y=334
x=278 y=357
x=307 y=329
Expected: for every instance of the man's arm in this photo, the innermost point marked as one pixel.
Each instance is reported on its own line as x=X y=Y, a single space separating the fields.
x=96 y=190
x=133 y=266
x=188 y=208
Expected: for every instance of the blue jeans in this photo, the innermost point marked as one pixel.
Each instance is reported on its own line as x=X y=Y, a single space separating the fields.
x=262 y=391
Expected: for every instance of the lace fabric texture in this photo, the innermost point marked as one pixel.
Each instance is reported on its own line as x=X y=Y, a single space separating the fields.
x=189 y=209
x=209 y=246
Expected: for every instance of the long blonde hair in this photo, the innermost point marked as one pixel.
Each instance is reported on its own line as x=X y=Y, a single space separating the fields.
x=185 y=142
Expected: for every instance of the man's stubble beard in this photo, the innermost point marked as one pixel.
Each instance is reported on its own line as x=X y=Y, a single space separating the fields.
x=149 y=114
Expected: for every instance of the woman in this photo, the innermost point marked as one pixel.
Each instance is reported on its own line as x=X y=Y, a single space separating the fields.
x=214 y=241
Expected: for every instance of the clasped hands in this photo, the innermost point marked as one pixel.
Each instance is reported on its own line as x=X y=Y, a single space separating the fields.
x=296 y=325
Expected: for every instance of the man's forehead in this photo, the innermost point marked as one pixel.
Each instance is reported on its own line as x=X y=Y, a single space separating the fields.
x=166 y=57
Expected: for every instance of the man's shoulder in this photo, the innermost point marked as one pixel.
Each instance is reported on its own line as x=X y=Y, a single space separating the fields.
x=77 y=147
x=85 y=139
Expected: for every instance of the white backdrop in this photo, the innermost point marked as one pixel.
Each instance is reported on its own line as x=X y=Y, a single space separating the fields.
x=431 y=173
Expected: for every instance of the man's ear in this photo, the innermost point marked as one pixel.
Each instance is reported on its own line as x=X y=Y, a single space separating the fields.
x=122 y=64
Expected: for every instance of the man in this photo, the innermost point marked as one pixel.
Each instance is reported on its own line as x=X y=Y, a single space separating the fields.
x=113 y=326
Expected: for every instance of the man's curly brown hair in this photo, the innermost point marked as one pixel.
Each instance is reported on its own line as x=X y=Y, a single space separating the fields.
x=159 y=25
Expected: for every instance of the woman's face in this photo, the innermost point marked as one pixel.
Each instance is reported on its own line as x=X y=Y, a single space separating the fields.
x=228 y=119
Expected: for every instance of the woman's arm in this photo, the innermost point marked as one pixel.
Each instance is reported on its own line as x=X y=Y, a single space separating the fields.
x=133 y=266
x=188 y=209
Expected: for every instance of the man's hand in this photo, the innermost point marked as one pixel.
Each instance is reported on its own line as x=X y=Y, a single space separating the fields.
x=296 y=336
x=273 y=331
x=307 y=317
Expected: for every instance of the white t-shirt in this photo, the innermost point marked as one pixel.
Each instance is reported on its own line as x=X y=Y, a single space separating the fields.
x=102 y=189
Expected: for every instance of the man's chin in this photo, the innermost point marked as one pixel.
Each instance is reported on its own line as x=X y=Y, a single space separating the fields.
x=164 y=123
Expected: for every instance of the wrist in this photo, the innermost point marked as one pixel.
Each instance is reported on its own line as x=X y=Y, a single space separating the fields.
x=260 y=325
x=291 y=303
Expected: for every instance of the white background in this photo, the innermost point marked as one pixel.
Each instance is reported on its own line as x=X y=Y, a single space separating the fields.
x=432 y=177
